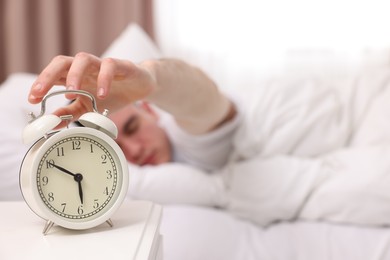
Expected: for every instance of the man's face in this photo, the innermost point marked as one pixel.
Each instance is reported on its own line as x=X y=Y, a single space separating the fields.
x=142 y=140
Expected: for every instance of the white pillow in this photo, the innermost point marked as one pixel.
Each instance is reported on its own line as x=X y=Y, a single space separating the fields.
x=14 y=116
x=132 y=44
x=175 y=183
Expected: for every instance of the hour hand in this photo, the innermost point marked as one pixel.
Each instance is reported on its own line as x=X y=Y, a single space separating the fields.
x=63 y=169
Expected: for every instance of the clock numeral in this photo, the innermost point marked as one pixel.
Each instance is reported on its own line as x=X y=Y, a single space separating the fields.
x=45 y=180
x=109 y=174
x=50 y=197
x=91 y=148
x=105 y=191
x=76 y=145
x=63 y=207
x=96 y=204
x=80 y=210
x=60 y=151
x=50 y=164
x=104 y=158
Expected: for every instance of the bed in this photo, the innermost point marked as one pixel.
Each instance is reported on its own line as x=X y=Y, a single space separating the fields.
x=293 y=214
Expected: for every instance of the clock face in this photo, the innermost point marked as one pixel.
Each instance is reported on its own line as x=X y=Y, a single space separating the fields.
x=78 y=176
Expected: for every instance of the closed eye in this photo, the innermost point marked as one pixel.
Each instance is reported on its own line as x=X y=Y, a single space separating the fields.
x=132 y=124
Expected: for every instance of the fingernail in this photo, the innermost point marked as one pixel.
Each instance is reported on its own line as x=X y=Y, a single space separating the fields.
x=32 y=97
x=101 y=92
x=70 y=87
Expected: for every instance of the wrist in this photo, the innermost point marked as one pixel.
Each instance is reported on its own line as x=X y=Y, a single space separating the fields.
x=231 y=113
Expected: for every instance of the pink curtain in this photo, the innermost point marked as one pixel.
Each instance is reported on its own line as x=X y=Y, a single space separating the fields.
x=32 y=32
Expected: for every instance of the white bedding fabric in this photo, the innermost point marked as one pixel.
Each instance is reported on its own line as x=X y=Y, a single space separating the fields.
x=315 y=155
x=194 y=233
x=312 y=152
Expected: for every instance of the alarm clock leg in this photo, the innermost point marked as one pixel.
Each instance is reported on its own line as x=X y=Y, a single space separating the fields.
x=109 y=222
x=47 y=227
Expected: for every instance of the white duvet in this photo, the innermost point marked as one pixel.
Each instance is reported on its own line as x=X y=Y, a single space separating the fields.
x=309 y=148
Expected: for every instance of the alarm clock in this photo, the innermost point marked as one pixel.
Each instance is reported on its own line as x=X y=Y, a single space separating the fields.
x=75 y=177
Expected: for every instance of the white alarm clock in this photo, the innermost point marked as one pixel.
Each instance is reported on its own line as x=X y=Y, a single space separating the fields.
x=75 y=177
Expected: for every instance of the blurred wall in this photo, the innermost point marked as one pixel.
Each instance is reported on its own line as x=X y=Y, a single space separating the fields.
x=32 y=32
x=239 y=42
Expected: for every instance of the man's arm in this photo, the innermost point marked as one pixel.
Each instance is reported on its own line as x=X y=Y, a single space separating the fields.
x=189 y=95
x=175 y=86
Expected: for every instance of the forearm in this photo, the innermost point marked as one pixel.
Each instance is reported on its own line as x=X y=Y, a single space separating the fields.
x=189 y=95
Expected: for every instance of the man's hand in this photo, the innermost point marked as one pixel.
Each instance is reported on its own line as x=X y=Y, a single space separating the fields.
x=114 y=82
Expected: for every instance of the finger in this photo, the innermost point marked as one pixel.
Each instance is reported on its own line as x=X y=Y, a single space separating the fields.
x=110 y=70
x=105 y=77
x=69 y=110
x=54 y=73
x=77 y=108
x=84 y=65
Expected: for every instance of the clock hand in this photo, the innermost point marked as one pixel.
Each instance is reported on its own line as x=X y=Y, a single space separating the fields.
x=62 y=169
x=78 y=177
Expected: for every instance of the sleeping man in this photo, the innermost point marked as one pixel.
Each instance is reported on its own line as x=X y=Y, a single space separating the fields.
x=197 y=106
x=289 y=149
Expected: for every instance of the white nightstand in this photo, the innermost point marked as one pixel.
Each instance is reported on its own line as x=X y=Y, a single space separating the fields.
x=135 y=235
